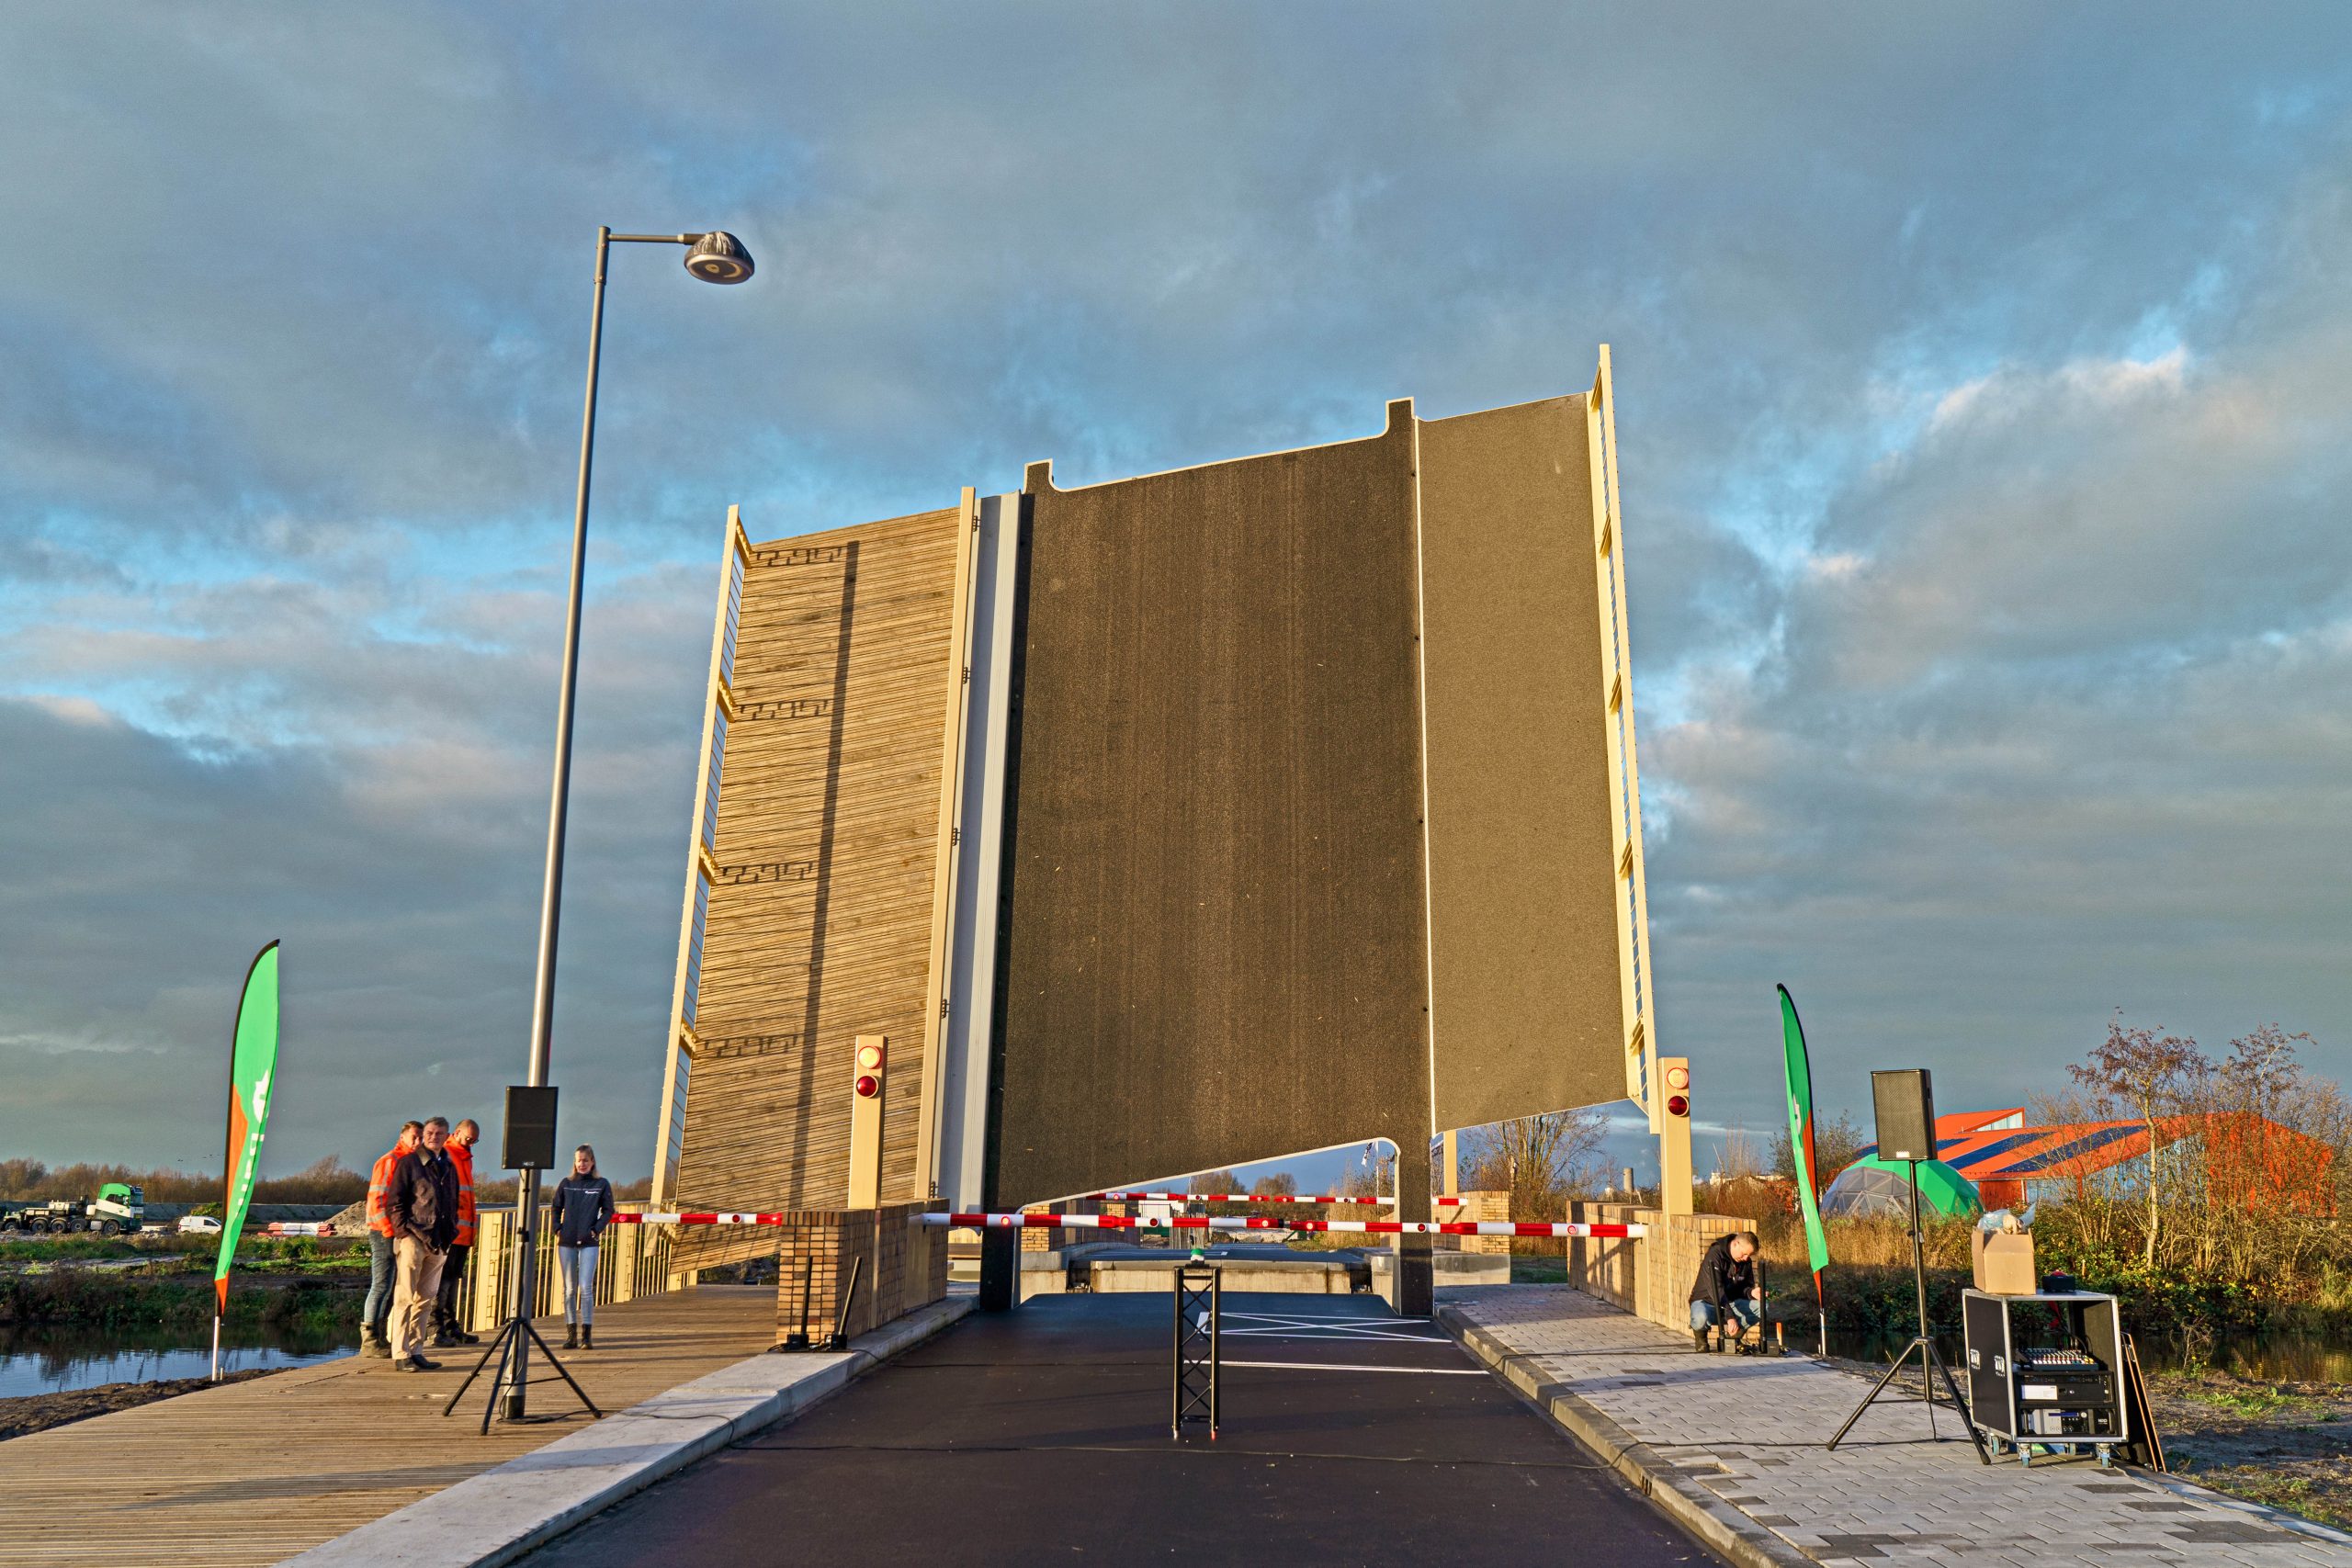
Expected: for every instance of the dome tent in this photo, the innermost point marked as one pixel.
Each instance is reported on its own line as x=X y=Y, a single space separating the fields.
x=1873 y=1186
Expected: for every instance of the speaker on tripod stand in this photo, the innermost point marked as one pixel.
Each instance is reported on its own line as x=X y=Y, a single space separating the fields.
x=1906 y=1106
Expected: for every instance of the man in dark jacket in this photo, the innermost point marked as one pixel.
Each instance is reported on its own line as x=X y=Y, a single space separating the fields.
x=423 y=1207
x=1727 y=1292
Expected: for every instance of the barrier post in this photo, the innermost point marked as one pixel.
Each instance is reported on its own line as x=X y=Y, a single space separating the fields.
x=1000 y=1269
x=1194 y=1348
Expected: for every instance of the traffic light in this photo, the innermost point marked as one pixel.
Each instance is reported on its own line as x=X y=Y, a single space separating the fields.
x=1678 y=1079
x=868 y=1063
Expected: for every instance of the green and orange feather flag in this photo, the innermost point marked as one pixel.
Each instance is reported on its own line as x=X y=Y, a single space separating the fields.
x=1799 y=1070
x=253 y=1062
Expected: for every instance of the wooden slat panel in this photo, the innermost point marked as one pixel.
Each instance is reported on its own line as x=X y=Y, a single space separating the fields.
x=855 y=625
x=253 y=1472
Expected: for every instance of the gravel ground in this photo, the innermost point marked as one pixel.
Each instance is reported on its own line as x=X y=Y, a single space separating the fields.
x=2287 y=1444
x=39 y=1412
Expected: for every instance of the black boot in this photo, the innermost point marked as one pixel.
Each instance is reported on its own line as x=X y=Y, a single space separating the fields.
x=587 y=1337
x=570 y=1336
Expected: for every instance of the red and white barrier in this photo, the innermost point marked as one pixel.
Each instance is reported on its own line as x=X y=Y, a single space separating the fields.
x=1181 y=1222
x=1271 y=1223
x=1239 y=1198
x=296 y=1227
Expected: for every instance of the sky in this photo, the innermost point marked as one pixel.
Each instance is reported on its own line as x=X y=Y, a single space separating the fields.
x=1985 y=378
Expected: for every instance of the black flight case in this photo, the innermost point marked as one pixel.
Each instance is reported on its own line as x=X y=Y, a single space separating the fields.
x=2046 y=1371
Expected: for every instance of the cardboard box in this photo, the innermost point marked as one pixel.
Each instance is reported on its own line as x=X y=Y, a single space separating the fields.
x=2004 y=1262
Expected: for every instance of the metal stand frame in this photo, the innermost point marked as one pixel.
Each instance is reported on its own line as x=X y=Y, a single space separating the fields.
x=1196 y=1355
x=510 y=1344
x=1929 y=1360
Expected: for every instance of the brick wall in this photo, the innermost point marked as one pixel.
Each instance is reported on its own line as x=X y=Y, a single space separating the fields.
x=898 y=1265
x=1648 y=1276
x=1480 y=1206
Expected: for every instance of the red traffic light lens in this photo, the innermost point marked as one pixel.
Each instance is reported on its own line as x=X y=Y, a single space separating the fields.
x=1678 y=1104
x=868 y=1086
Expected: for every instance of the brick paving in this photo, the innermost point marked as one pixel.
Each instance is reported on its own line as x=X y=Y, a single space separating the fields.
x=1744 y=1435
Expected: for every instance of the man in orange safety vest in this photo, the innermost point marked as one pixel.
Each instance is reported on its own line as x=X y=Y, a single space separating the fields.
x=374 y=1315
x=460 y=1150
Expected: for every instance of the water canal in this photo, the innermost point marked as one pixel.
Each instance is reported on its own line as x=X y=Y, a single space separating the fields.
x=55 y=1359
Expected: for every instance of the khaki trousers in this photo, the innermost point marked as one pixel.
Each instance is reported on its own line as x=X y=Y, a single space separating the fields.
x=416 y=1280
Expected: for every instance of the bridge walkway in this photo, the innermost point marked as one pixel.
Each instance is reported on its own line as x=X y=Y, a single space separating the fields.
x=252 y=1472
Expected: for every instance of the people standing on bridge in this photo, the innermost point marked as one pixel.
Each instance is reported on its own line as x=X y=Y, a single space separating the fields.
x=1727 y=1292
x=583 y=1202
x=422 y=1204
x=446 y=1329
x=378 y=1308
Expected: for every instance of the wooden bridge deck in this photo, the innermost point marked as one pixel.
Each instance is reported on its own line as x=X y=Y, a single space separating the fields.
x=256 y=1472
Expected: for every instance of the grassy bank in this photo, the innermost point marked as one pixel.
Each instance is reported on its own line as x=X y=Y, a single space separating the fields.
x=1870 y=1291
x=318 y=1300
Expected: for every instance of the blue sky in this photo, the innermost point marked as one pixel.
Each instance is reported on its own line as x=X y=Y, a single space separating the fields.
x=1984 y=418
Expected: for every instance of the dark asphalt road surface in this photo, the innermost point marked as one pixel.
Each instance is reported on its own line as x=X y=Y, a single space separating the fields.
x=1041 y=1435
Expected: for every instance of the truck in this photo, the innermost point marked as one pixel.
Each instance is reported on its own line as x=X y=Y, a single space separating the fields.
x=119 y=1207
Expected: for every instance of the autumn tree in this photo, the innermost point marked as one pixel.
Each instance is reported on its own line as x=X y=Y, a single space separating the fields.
x=2151 y=1076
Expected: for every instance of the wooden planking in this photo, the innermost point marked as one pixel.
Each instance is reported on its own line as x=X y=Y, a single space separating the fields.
x=253 y=1472
x=854 y=627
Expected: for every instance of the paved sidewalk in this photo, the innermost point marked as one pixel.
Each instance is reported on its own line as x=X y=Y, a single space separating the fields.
x=1731 y=1447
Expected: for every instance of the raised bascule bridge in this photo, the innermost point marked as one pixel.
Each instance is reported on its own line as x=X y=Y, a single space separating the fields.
x=1052 y=841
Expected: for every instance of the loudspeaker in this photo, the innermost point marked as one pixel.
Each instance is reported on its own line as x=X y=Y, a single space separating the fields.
x=530 y=1129
x=1905 y=1101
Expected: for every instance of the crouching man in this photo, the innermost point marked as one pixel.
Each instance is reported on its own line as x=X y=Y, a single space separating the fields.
x=1726 y=1295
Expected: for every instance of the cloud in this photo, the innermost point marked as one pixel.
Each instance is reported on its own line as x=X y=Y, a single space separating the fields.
x=1981 y=467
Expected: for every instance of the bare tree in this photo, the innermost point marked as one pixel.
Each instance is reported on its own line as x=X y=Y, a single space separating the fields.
x=1536 y=1159
x=2150 y=1076
x=1834 y=1144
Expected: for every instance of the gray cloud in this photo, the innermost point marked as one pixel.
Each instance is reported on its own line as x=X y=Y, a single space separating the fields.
x=1986 y=653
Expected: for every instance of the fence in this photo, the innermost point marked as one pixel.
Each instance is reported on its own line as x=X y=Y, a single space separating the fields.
x=632 y=1261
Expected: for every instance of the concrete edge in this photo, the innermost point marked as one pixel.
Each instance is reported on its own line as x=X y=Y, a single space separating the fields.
x=1718 y=1525
x=824 y=1376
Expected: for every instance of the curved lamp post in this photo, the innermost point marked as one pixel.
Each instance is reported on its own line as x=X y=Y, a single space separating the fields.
x=713 y=258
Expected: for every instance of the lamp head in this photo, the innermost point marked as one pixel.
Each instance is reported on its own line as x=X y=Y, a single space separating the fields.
x=718 y=257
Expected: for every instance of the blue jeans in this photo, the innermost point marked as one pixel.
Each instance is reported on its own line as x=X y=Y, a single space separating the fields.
x=578 y=1266
x=377 y=1311
x=1746 y=1311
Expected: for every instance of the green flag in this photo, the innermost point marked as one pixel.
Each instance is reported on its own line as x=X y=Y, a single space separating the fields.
x=253 y=1062
x=1800 y=1082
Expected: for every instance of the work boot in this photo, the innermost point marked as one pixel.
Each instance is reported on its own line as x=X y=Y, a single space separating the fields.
x=462 y=1337
x=443 y=1339
x=587 y=1337
x=570 y=1336
x=1699 y=1340
x=373 y=1346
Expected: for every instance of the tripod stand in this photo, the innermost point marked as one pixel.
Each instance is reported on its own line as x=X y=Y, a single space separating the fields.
x=515 y=1337
x=507 y=1346
x=1929 y=1360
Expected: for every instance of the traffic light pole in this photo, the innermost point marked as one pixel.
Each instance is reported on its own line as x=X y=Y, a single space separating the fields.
x=1674 y=1137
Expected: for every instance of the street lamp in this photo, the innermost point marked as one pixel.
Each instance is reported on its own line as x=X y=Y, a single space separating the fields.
x=715 y=257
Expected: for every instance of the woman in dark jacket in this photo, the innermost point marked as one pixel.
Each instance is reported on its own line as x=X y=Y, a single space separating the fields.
x=583 y=1201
